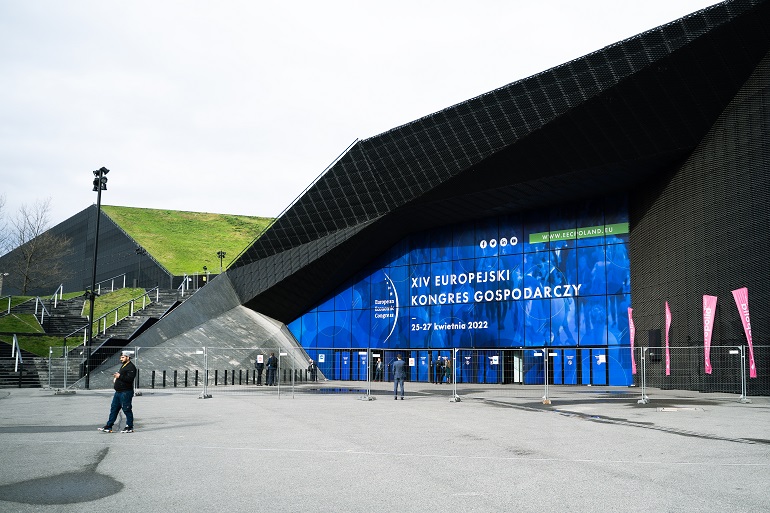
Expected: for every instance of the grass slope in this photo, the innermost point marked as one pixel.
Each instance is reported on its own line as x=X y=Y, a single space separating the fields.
x=184 y=242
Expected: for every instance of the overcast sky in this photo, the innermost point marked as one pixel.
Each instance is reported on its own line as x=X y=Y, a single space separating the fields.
x=236 y=106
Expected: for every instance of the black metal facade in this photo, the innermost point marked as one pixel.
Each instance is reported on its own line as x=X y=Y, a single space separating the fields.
x=704 y=228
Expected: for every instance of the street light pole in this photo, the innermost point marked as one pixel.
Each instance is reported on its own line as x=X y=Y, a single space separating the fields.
x=100 y=184
x=141 y=252
x=221 y=255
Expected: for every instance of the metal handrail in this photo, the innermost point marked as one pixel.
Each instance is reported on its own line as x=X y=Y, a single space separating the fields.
x=57 y=295
x=102 y=320
x=98 y=285
x=43 y=310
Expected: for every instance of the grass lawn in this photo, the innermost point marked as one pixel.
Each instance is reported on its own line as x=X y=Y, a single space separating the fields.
x=183 y=242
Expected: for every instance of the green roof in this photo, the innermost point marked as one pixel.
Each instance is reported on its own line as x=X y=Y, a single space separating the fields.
x=183 y=242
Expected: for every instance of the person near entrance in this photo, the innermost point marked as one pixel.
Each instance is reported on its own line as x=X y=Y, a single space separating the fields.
x=272 y=367
x=259 y=365
x=399 y=376
x=439 y=371
x=123 y=383
x=378 y=368
x=312 y=370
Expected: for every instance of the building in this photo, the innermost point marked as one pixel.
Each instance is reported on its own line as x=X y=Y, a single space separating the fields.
x=534 y=215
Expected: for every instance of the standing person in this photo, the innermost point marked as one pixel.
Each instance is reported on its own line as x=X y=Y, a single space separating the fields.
x=313 y=370
x=399 y=376
x=123 y=383
x=272 y=367
x=448 y=370
x=378 y=368
x=439 y=376
x=259 y=364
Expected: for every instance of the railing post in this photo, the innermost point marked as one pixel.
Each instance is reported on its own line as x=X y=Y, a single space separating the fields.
x=743 y=398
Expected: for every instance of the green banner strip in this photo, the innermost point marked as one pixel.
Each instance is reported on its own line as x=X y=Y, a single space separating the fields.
x=579 y=233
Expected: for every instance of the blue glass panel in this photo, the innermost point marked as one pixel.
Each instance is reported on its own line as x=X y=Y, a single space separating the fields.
x=511 y=325
x=465 y=328
x=400 y=337
x=593 y=322
x=537 y=325
x=599 y=369
x=326 y=330
x=618 y=269
x=360 y=328
x=342 y=328
x=466 y=372
x=422 y=366
x=564 y=330
x=618 y=319
x=556 y=361
x=296 y=329
x=585 y=366
x=619 y=362
x=420 y=327
x=493 y=367
x=570 y=365
x=401 y=283
x=343 y=364
x=442 y=317
x=362 y=364
x=592 y=271
x=534 y=372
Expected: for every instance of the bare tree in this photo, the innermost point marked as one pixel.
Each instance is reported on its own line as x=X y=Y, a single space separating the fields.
x=37 y=258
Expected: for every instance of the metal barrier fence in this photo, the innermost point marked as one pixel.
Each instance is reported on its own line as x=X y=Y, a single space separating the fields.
x=535 y=373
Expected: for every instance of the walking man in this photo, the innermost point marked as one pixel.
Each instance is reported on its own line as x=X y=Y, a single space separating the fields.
x=399 y=376
x=123 y=381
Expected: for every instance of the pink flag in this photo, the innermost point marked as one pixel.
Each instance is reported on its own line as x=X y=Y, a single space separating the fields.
x=709 y=308
x=632 y=332
x=668 y=326
x=742 y=301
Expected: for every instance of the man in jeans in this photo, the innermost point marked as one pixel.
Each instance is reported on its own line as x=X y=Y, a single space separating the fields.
x=123 y=381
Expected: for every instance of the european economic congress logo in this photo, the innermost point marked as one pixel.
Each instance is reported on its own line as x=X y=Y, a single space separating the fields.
x=387 y=308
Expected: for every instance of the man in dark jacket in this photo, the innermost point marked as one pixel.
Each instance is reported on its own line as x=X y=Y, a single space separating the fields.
x=272 y=368
x=399 y=376
x=123 y=381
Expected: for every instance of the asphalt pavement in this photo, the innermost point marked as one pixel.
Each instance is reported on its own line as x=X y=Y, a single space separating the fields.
x=350 y=452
